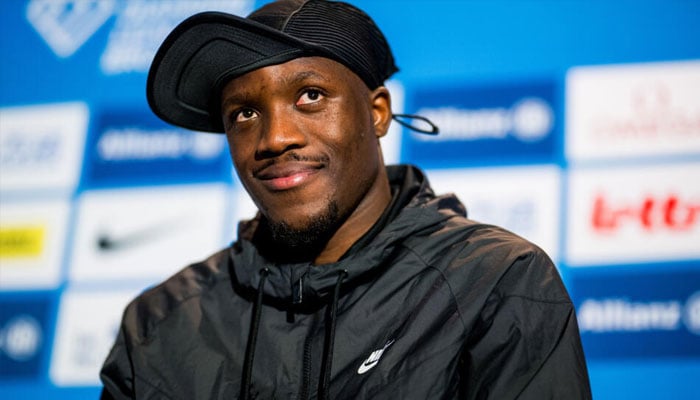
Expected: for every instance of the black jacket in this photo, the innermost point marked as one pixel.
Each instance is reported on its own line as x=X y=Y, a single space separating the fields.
x=428 y=305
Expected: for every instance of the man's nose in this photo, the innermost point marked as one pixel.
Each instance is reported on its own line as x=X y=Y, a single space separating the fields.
x=282 y=132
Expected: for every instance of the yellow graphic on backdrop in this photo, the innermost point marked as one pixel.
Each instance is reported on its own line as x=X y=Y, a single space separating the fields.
x=21 y=241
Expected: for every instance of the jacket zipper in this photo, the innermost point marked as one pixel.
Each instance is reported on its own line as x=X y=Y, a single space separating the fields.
x=306 y=369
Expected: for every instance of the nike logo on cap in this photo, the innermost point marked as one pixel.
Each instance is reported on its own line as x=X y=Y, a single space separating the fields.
x=373 y=358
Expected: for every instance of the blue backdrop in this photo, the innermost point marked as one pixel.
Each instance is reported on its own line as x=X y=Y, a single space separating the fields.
x=573 y=123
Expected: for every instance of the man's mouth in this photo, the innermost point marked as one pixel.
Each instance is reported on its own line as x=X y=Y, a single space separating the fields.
x=287 y=175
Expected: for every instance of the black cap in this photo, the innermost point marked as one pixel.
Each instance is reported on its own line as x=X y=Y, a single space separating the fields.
x=209 y=49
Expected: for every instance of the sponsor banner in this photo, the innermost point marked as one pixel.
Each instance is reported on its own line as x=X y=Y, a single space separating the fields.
x=485 y=125
x=139 y=27
x=653 y=314
x=24 y=332
x=641 y=213
x=42 y=146
x=66 y=25
x=147 y=234
x=32 y=235
x=88 y=323
x=634 y=110
x=131 y=147
x=524 y=200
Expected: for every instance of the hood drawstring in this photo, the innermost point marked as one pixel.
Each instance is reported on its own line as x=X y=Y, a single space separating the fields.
x=324 y=381
x=252 y=337
x=326 y=365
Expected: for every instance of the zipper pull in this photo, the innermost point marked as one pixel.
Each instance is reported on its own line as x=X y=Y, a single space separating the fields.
x=298 y=291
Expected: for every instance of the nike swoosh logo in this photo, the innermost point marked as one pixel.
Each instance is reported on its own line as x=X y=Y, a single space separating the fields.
x=373 y=359
x=366 y=366
x=108 y=243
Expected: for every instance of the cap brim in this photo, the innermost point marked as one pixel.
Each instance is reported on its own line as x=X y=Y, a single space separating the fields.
x=203 y=53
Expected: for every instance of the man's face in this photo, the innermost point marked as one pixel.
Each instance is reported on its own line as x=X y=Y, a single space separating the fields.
x=303 y=137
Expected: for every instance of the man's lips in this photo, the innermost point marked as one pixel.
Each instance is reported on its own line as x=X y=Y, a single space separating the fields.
x=287 y=175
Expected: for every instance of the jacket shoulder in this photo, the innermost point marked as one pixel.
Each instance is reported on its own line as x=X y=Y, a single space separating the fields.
x=158 y=303
x=480 y=260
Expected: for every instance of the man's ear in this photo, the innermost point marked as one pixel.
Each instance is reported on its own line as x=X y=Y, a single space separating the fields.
x=381 y=110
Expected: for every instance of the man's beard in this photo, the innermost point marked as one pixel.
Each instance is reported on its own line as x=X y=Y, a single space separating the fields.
x=301 y=244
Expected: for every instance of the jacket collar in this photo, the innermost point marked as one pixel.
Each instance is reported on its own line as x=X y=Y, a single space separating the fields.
x=417 y=208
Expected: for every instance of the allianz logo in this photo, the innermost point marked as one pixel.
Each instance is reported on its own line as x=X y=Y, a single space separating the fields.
x=530 y=119
x=20 y=337
x=132 y=144
x=612 y=315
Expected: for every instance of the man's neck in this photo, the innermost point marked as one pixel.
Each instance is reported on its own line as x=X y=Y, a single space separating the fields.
x=360 y=221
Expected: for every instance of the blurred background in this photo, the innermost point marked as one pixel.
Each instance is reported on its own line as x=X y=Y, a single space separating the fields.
x=576 y=124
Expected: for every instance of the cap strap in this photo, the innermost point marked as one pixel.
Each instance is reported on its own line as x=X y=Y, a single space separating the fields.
x=401 y=119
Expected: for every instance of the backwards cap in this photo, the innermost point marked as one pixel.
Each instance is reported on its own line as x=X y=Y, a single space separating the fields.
x=209 y=49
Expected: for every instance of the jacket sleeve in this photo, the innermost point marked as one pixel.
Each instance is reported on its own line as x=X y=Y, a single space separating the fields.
x=527 y=344
x=117 y=374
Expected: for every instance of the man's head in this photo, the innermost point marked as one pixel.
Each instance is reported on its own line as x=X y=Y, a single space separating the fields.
x=297 y=88
x=207 y=50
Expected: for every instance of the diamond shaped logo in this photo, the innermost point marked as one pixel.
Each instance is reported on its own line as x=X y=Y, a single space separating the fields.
x=65 y=25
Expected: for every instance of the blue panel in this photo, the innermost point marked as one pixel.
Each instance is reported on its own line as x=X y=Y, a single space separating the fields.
x=133 y=147
x=655 y=313
x=468 y=60
x=25 y=335
x=495 y=124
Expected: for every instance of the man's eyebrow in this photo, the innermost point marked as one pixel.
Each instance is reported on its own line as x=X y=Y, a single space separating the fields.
x=303 y=75
x=292 y=79
x=236 y=98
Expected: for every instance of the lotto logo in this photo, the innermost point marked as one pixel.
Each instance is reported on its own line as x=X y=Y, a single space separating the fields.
x=633 y=214
x=650 y=213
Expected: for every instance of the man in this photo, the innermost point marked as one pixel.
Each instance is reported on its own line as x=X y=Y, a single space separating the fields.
x=354 y=281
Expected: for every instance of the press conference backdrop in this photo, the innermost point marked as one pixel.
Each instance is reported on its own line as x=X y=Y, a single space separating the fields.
x=575 y=124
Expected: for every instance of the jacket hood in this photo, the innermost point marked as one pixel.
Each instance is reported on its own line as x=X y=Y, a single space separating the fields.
x=308 y=284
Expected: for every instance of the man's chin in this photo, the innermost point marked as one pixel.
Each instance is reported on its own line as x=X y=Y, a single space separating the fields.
x=301 y=242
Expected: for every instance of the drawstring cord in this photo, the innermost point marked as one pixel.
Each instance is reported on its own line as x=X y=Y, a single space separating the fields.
x=327 y=362
x=400 y=118
x=252 y=337
x=324 y=381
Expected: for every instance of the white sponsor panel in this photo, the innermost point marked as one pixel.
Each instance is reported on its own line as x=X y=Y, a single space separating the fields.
x=42 y=146
x=524 y=200
x=244 y=208
x=147 y=233
x=633 y=214
x=633 y=110
x=87 y=325
x=142 y=25
x=32 y=235
x=391 y=142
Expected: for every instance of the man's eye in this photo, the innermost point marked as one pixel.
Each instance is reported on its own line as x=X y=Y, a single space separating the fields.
x=310 y=96
x=244 y=115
